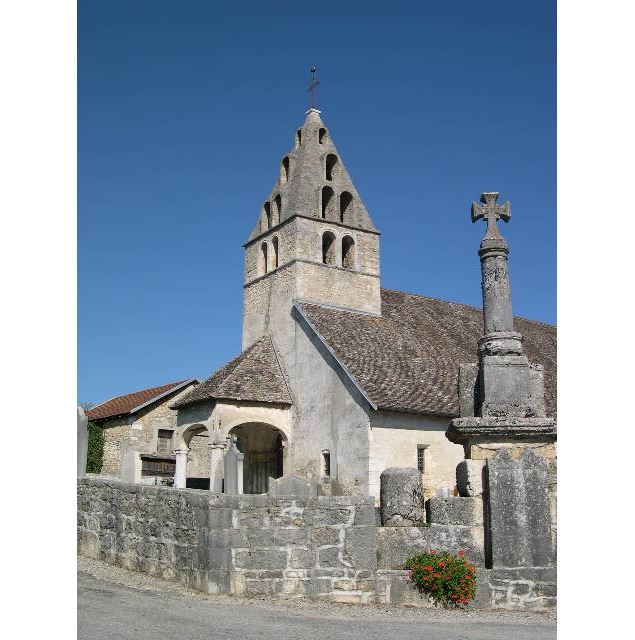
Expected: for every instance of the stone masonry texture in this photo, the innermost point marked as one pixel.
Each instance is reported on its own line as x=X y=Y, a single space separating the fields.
x=328 y=547
x=401 y=497
x=519 y=510
x=245 y=545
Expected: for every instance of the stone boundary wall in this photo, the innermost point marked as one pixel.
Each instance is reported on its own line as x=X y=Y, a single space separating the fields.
x=250 y=545
x=328 y=547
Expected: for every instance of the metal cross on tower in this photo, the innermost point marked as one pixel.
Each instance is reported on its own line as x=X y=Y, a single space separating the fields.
x=491 y=212
x=314 y=84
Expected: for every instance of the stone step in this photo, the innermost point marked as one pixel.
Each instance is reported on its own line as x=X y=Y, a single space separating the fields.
x=455 y=511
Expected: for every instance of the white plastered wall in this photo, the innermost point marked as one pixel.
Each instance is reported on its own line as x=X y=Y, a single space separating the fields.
x=394 y=439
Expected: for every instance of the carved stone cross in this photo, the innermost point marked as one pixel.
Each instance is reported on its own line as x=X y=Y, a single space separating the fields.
x=491 y=212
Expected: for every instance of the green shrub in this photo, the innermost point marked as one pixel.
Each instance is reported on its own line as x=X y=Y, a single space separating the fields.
x=95 y=456
x=448 y=579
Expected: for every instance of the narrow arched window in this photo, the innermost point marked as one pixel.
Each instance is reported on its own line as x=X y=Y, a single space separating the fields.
x=331 y=162
x=263 y=265
x=267 y=209
x=278 y=201
x=345 y=200
x=321 y=134
x=274 y=256
x=348 y=252
x=298 y=138
x=284 y=170
x=328 y=248
x=327 y=201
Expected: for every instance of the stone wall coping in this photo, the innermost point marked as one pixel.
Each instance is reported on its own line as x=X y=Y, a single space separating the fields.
x=222 y=500
x=464 y=430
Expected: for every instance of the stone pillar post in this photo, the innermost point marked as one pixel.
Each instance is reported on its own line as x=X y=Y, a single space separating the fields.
x=498 y=320
x=130 y=465
x=180 y=473
x=497 y=301
x=401 y=497
x=82 y=442
x=239 y=471
x=233 y=468
x=217 y=455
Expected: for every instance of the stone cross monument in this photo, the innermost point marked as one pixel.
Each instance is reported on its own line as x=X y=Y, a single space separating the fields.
x=501 y=396
x=509 y=441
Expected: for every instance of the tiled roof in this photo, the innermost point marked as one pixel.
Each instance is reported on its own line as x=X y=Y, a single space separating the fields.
x=123 y=405
x=407 y=359
x=255 y=375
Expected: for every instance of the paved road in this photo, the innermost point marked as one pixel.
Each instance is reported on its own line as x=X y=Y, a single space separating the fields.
x=109 y=611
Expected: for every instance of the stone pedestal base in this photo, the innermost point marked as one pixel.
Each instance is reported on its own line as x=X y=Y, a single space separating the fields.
x=483 y=437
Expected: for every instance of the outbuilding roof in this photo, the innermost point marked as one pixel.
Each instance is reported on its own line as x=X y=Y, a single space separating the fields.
x=256 y=375
x=133 y=402
x=408 y=358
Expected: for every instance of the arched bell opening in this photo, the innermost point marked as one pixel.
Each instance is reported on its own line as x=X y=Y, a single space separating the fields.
x=264 y=448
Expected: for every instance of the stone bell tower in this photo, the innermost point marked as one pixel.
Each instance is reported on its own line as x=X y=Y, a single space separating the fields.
x=313 y=239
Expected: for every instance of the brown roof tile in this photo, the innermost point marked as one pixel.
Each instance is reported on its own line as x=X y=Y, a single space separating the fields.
x=122 y=405
x=407 y=359
x=255 y=375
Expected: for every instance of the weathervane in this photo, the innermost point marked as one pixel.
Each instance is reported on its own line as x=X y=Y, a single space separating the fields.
x=314 y=84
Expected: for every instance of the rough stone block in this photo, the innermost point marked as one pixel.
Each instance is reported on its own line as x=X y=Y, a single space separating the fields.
x=322 y=536
x=259 y=537
x=261 y=559
x=283 y=537
x=365 y=514
x=329 y=557
x=507 y=387
x=302 y=558
x=401 y=497
x=469 y=477
x=320 y=586
x=360 y=547
x=523 y=588
x=213 y=582
x=468 y=373
x=396 y=544
x=292 y=485
x=328 y=517
x=219 y=518
x=462 y=511
x=519 y=511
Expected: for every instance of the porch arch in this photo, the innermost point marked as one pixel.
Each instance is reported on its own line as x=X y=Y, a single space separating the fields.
x=265 y=448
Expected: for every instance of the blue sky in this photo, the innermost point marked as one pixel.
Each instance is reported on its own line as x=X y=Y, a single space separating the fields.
x=185 y=110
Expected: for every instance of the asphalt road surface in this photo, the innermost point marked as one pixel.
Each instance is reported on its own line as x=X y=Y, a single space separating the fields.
x=111 y=611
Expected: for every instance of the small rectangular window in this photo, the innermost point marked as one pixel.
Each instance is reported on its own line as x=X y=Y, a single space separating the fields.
x=326 y=463
x=421 y=457
x=164 y=441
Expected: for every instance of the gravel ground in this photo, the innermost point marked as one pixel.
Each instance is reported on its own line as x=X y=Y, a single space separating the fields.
x=313 y=608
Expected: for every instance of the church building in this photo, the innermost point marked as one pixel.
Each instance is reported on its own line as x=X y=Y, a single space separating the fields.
x=339 y=378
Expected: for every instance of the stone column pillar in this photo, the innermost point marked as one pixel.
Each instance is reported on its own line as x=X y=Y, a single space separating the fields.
x=217 y=455
x=497 y=301
x=498 y=320
x=180 y=473
x=82 y=442
x=233 y=468
x=240 y=470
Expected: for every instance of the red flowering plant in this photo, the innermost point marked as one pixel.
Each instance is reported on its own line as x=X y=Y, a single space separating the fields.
x=448 y=579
